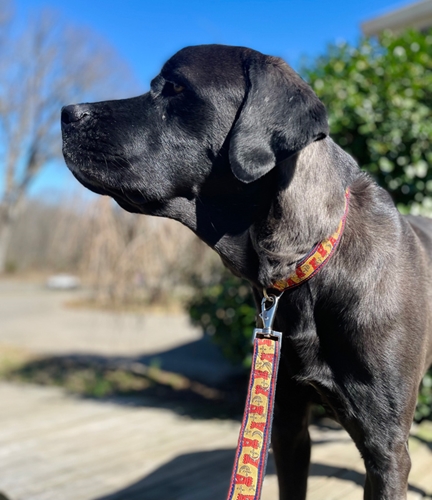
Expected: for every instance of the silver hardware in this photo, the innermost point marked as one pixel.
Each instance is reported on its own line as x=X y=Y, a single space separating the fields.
x=268 y=315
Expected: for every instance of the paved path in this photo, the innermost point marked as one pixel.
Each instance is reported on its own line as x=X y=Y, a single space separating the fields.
x=57 y=447
x=35 y=318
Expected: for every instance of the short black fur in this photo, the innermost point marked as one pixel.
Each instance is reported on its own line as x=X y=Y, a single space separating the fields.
x=235 y=145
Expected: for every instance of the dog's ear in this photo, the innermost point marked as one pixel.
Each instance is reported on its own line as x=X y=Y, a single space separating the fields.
x=280 y=116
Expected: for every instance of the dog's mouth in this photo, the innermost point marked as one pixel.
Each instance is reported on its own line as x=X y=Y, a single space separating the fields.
x=132 y=201
x=101 y=178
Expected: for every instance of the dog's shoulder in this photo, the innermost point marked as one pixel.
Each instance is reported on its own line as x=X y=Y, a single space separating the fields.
x=422 y=226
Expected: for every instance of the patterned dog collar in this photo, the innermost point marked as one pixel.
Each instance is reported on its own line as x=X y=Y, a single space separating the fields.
x=317 y=258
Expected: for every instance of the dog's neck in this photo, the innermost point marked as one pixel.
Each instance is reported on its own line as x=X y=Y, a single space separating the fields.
x=307 y=208
x=263 y=231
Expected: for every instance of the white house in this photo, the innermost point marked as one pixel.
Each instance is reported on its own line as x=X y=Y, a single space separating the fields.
x=416 y=15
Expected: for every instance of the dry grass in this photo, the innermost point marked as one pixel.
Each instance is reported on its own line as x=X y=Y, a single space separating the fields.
x=127 y=260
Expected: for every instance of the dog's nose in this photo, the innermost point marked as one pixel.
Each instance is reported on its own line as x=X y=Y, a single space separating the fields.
x=74 y=113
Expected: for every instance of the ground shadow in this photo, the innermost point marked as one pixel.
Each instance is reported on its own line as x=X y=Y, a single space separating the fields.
x=205 y=475
x=190 y=380
x=193 y=379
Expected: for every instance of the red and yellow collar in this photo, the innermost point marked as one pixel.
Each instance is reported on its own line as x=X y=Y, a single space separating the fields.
x=317 y=258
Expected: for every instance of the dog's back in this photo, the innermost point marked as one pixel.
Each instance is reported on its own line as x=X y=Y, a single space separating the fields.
x=423 y=228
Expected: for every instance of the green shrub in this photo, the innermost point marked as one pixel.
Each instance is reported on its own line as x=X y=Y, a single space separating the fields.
x=379 y=99
x=424 y=403
x=226 y=311
x=11 y=267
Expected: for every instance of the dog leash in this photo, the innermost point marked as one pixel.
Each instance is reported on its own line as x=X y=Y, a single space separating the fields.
x=254 y=439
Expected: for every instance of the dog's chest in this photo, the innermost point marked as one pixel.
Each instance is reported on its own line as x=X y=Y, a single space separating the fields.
x=306 y=362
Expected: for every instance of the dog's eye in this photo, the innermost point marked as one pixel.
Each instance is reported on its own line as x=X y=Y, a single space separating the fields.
x=177 y=88
x=171 y=89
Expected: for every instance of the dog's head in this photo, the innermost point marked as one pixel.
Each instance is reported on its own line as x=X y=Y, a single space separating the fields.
x=200 y=146
x=207 y=102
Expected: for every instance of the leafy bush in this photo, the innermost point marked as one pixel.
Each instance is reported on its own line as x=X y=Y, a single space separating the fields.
x=424 y=403
x=379 y=98
x=226 y=311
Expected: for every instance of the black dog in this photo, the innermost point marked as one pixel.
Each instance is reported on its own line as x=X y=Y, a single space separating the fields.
x=234 y=144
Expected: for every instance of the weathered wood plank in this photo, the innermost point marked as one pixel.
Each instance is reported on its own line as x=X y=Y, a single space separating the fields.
x=71 y=449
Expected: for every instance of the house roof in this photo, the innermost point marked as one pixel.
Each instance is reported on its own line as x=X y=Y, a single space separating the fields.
x=416 y=15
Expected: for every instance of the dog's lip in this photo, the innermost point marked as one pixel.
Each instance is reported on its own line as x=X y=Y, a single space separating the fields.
x=88 y=183
x=133 y=199
x=91 y=179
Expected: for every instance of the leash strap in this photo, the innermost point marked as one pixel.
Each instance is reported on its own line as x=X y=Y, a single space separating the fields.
x=254 y=439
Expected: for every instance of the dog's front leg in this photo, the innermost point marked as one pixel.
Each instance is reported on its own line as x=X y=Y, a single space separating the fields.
x=290 y=438
x=387 y=471
x=382 y=438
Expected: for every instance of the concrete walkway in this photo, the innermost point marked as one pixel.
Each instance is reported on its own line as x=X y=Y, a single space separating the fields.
x=37 y=319
x=57 y=447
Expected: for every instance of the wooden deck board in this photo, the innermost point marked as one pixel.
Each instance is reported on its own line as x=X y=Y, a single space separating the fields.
x=56 y=447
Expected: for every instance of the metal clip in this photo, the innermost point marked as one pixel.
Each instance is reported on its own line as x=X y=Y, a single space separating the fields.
x=268 y=315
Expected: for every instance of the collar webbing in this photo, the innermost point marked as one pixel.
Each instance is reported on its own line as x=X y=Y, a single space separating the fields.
x=317 y=258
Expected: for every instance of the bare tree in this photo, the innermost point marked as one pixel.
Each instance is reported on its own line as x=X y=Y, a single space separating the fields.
x=43 y=65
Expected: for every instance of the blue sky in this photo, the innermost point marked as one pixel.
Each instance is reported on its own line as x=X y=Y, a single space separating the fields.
x=146 y=33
